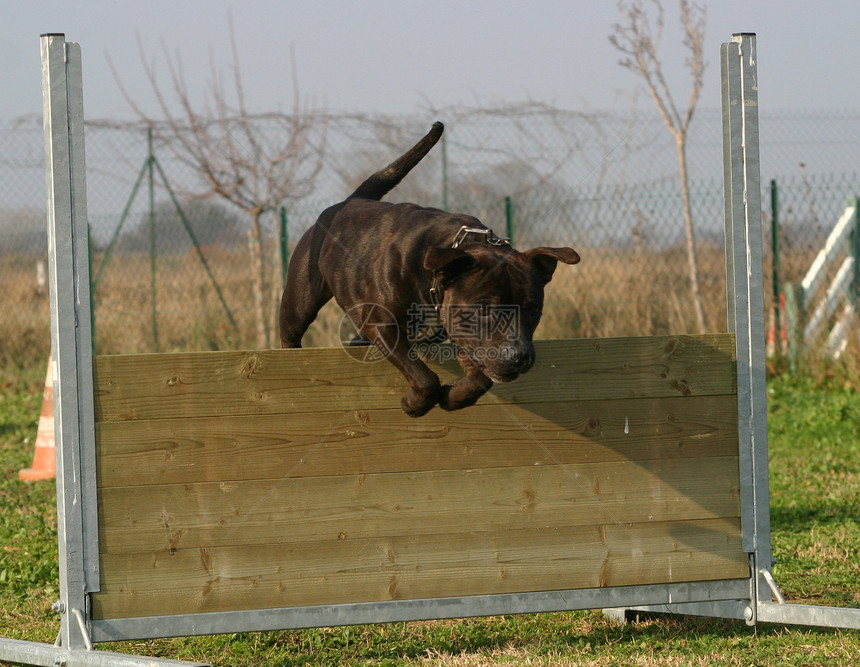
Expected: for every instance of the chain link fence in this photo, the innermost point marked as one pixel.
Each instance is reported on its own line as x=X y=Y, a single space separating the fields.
x=171 y=267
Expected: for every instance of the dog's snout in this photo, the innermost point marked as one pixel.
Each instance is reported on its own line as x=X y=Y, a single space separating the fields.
x=513 y=354
x=522 y=356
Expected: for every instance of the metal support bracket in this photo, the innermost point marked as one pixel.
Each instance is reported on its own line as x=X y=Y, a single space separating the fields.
x=82 y=626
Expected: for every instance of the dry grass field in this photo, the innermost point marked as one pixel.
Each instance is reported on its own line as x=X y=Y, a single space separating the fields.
x=610 y=293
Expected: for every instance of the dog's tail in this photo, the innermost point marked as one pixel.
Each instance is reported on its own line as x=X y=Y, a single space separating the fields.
x=383 y=181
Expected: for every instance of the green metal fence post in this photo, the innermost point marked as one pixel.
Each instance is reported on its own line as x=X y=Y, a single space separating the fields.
x=509 y=219
x=284 y=239
x=122 y=219
x=152 y=239
x=777 y=288
x=195 y=243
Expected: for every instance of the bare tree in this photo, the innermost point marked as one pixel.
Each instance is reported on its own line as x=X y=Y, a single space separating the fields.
x=638 y=40
x=254 y=161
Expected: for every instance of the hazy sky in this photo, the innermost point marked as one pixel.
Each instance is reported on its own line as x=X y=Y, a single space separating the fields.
x=386 y=56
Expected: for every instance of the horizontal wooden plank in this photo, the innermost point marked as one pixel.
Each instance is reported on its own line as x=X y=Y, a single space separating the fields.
x=204 y=449
x=442 y=565
x=187 y=385
x=216 y=514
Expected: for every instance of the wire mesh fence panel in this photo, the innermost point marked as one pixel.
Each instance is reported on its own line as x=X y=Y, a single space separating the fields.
x=24 y=328
x=173 y=267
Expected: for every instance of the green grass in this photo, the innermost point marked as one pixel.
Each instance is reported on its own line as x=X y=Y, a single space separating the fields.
x=815 y=490
x=28 y=523
x=815 y=498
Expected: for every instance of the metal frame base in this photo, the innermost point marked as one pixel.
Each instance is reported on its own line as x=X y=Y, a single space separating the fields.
x=766 y=612
x=48 y=655
x=411 y=610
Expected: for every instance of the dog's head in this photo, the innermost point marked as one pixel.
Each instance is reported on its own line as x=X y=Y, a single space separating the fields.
x=492 y=301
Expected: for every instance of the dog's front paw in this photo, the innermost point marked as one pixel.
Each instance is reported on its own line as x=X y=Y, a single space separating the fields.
x=417 y=404
x=446 y=402
x=464 y=393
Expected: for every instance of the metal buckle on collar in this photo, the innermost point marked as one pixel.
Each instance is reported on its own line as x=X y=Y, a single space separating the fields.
x=489 y=236
x=436 y=294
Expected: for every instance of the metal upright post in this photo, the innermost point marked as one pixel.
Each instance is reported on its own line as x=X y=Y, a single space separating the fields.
x=745 y=300
x=71 y=347
x=744 y=239
x=71 y=336
x=746 y=312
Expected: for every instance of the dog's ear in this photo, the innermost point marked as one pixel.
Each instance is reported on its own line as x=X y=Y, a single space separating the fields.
x=545 y=260
x=448 y=263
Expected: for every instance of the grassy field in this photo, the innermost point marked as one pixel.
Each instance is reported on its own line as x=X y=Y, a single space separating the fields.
x=815 y=484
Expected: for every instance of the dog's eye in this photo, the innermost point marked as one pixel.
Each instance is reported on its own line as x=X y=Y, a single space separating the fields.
x=483 y=309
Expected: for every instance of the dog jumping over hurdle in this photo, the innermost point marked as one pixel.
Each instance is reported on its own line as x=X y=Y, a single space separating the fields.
x=388 y=265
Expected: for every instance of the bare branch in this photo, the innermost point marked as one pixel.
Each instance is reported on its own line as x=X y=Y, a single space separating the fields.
x=634 y=39
x=693 y=19
x=255 y=161
x=639 y=43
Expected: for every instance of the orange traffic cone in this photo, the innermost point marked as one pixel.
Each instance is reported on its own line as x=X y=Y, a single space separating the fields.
x=45 y=457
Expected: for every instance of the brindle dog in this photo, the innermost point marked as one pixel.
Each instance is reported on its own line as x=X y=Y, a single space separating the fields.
x=384 y=262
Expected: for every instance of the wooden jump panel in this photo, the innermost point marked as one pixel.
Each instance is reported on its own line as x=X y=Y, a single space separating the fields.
x=250 y=480
x=201 y=384
x=419 y=566
x=358 y=506
x=203 y=449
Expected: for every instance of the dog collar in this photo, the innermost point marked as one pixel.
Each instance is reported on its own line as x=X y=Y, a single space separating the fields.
x=490 y=238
